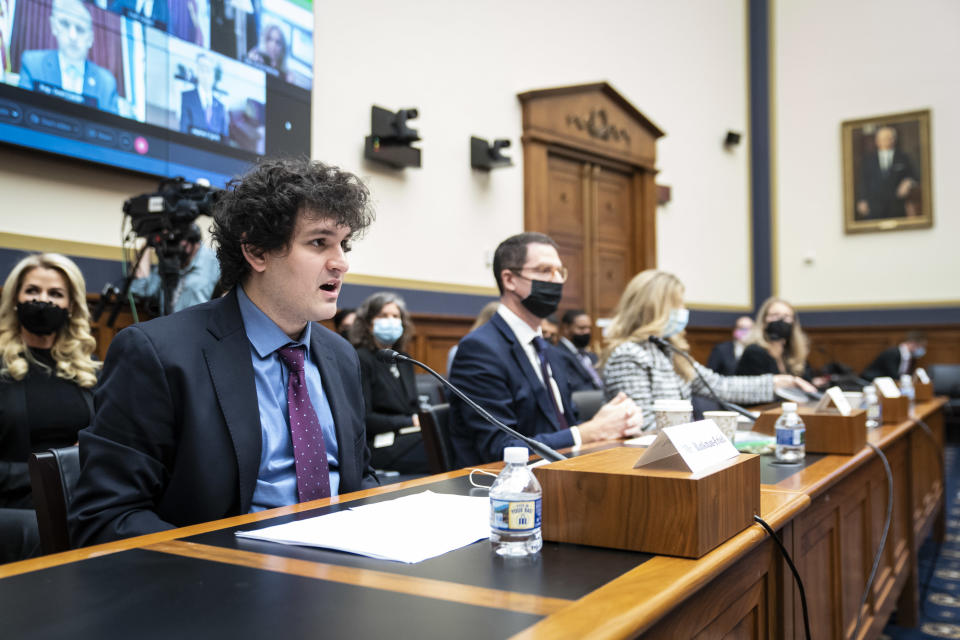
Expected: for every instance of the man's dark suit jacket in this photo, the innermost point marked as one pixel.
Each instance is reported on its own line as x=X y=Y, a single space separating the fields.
x=492 y=369
x=192 y=114
x=886 y=364
x=723 y=359
x=578 y=377
x=879 y=189
x=176 y=437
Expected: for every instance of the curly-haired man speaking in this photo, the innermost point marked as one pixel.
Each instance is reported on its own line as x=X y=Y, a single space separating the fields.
x=241 y=403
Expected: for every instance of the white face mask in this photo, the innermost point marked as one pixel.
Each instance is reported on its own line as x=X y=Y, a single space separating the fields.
x=387 y=330
x=677 y=322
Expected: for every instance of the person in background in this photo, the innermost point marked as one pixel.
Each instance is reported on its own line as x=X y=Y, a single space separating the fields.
x=200 y=108
x=343 y=320
x=724 y=357
x=47 y=375
x=389 y=390
x=199 y=273
x=482 y=318
x=67 y=67
x=508 y=368
x=898 y=360
x=271 y=50
x=551 y=329
x=652 y=305
x=776 y=343
x=575 y=333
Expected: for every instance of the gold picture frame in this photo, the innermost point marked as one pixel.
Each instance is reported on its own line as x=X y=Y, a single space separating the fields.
x=887 y=176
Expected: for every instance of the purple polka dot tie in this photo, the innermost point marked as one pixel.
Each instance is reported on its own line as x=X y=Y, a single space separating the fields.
x=309 y=451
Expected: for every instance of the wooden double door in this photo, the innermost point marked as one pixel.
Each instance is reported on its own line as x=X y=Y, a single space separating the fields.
x=589 y=167
x=591 y=214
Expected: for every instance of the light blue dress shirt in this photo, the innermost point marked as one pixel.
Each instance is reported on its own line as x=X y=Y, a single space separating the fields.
x=276 y=478
x=196 y=283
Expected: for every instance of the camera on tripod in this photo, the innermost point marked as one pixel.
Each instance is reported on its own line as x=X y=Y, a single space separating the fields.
x=165 y=217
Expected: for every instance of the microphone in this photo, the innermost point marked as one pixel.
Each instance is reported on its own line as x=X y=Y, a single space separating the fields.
x=666 y=346
x=390 y=357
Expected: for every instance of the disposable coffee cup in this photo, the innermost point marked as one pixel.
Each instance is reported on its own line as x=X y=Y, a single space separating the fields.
x=726 y=421
x=670 y=413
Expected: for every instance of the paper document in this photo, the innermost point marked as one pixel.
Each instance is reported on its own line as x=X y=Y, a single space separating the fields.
x=408 y=529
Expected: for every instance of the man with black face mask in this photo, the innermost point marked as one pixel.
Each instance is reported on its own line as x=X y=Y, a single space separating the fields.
x=507 y=367
x=575 y=328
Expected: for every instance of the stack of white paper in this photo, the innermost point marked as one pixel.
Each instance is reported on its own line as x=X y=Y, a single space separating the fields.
x=408 y=529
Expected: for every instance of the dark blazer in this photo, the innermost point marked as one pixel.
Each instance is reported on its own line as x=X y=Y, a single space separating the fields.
x=723 y=359
x=492 y=369
x=755 y=361
x=389 y=401
x=879 y=189
x=578 y=377
x=159 y=13
x=176 y=437
x=44 y=66
x=193 y=115
x=888 y=363
x=15 y=442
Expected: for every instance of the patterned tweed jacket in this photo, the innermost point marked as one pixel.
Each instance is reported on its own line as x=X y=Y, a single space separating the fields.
x=645 y=373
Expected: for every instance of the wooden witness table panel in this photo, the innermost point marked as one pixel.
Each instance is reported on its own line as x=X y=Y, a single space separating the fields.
x=203 y=580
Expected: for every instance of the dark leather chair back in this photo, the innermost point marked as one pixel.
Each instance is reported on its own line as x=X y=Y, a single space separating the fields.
x=436 y=438
x=429 y=388
x=53 y=476
x=587 y=402
x=946 y=379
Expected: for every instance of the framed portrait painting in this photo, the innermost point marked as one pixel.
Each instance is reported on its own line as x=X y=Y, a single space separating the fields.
x=886 y=172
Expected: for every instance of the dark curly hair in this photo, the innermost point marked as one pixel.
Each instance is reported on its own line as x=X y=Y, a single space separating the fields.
x=260 y=209
x=361 y=333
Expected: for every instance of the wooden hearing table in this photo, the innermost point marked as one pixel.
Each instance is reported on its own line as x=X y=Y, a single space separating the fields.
x=201 y=581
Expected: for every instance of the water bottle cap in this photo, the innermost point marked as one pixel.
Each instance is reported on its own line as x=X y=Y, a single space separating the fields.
x=515 y=455
x=789 y=406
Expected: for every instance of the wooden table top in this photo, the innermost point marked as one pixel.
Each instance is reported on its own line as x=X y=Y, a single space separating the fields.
x=203 y=578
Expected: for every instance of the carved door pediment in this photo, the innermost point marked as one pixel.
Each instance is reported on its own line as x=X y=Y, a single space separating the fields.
x=594 y=118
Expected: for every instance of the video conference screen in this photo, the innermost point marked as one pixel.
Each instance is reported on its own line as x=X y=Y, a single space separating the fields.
x=192 y=88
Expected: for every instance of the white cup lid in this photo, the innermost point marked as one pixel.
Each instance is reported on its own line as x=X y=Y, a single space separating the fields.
x=672 y=405
x=789 y=406
x=515 y=455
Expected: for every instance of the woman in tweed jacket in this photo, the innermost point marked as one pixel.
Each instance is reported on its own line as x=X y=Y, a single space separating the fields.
x=652 y=305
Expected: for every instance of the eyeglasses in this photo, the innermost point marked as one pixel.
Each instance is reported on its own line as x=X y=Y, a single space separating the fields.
x=545 y=272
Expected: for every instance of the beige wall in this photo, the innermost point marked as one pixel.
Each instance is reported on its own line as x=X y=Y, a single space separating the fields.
x=681 y=63
x=839 y=61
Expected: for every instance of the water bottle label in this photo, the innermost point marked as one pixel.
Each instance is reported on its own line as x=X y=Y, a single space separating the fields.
x=515 y=515
x=791 y=437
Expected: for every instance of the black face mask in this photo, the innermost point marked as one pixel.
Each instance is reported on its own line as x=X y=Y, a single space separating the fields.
x=544 y=297
x=580 y=340
x=41 y=318
x=779 y=330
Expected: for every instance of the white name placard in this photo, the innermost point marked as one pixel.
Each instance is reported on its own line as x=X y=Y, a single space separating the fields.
x=834 y=397
x=886 y=387
x=922 y=376
x=700 y=445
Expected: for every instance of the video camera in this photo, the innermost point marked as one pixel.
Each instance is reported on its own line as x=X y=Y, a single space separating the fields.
x=165 y=217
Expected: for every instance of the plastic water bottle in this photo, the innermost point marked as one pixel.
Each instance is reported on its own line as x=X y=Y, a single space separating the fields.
x=906 y=388
x=791 y=435
x=874 y=410
x=515 y=507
